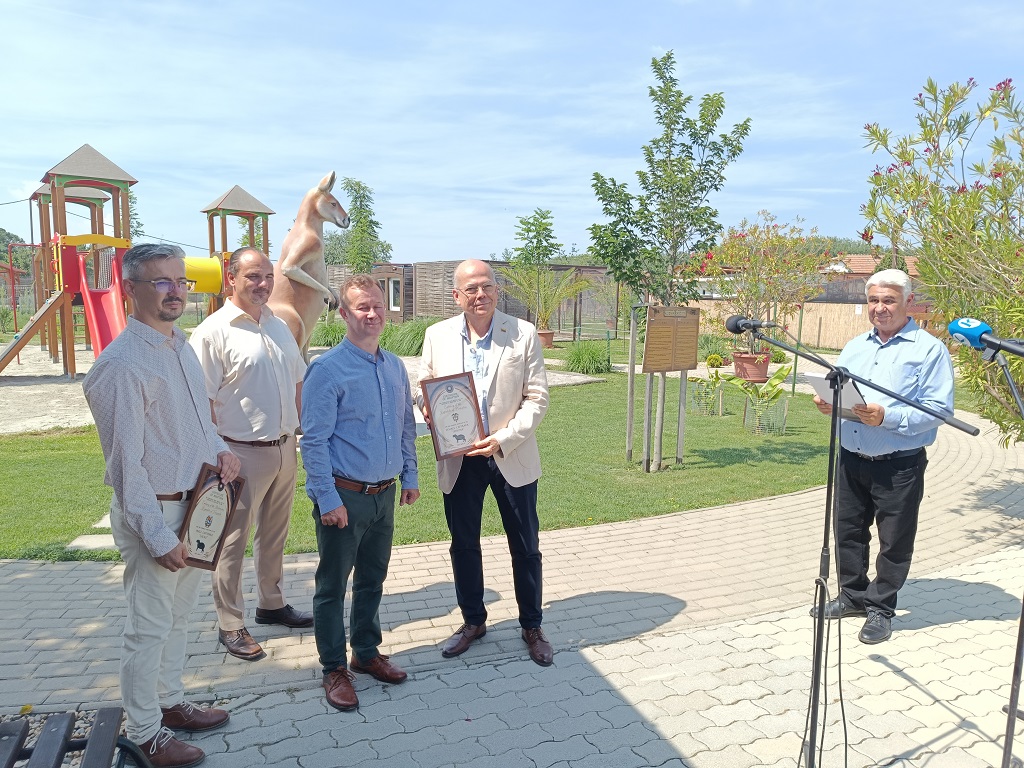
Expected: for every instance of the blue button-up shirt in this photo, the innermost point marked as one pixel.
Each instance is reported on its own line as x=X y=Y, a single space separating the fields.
x=912 y=363
x=357 y=422
x=478 y=357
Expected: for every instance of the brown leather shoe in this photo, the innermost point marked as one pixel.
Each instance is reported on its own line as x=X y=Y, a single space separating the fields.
x=540 y=648
x=340 y=693
x=462 y=639
x=165 y=751
x=239 y=643
x=380 y=668
x=287 y=616
x=188 y=717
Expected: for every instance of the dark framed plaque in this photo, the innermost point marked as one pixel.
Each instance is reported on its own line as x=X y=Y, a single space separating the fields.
x=209 y=513
x=455 y=422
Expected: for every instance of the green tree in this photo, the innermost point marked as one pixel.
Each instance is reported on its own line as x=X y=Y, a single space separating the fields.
x=22 y=256
x=360 y=246
x=243 y=241
x=953 y=191
x=652 y=237
x=135 y=228
x=536 y=235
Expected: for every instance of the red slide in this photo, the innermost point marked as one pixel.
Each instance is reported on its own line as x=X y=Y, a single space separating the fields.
x=104 y=307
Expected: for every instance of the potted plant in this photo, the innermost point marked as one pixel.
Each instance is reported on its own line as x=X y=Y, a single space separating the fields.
x=765 y=270
x=762 y=411
x=542 y=290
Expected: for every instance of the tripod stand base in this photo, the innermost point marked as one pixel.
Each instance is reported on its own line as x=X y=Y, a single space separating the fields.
x=1018 y=713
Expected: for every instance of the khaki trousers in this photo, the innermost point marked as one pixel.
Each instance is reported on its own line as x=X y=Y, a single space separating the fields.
x=266 y=504
x=156 y=627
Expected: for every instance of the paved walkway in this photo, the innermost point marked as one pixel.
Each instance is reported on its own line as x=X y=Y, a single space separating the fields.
x=681 y=640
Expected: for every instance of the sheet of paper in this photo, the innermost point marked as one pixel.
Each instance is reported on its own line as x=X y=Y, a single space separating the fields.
x=851 y=396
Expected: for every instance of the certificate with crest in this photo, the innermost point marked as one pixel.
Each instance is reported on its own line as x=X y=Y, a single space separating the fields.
x=209 y=511
x=455 y=422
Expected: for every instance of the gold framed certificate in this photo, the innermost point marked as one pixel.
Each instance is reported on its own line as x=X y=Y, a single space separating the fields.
x=455 y=422
x=209 y=512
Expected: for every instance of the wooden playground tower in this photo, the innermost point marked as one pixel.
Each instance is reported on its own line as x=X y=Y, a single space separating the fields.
x=65 y=277
x=67 y=268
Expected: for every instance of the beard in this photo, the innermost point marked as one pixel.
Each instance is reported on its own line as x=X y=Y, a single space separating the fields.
x=171 y=311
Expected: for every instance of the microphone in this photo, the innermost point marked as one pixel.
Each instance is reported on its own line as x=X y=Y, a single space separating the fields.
x=739 y=324
x=967 y=330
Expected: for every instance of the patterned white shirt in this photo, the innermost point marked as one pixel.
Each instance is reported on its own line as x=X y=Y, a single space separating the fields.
x=252 y=370
x=147 y=398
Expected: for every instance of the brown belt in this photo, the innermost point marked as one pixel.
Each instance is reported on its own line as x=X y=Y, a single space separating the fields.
x=259 y=443
x=179 y=496
x=368 y=488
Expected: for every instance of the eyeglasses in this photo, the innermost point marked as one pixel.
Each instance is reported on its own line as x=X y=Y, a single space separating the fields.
x=165 y=286
x=475 y=290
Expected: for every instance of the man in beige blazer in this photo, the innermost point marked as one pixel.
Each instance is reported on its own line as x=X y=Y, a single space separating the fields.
x=504 y=355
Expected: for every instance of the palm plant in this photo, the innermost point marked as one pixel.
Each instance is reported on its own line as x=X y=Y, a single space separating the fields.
x=541 y=289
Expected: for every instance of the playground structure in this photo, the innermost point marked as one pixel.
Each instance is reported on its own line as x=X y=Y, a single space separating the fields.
x=72 y=271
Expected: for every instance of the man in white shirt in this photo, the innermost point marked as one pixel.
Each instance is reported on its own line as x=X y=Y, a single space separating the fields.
x=254 y=371
x=146 y=395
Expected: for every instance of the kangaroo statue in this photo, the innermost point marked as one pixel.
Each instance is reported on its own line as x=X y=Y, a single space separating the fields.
x=300 y=275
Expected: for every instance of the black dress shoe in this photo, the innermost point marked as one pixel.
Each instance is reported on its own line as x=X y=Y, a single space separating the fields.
x=462 y=639
x=287 y=616
x=837 y=608
x=877 y=629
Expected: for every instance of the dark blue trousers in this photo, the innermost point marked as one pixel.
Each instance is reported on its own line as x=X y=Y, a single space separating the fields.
x=887 y=493
x=463 y=509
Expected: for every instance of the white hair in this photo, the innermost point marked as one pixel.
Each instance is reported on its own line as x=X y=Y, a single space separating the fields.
x=890 y=278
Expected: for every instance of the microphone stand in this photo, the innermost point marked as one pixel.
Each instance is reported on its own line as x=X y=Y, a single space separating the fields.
x=837 y=377
x=1012 y=713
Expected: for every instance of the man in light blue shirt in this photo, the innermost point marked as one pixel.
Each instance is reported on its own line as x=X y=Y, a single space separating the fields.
x=881 y=475
x=359 y=432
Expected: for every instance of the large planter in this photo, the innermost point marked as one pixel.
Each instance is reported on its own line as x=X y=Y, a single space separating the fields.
x=547 y=339
x=752 y=367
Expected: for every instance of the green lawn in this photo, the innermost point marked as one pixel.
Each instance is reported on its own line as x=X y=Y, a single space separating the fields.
x=52 y=490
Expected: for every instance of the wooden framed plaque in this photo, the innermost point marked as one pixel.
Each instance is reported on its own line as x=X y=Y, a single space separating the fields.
x=455 y=422
x=209 y=513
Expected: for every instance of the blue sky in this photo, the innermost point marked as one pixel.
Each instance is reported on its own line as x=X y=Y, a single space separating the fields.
x=463 y=116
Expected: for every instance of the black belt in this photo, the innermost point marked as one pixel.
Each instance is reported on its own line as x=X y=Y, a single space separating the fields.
x=886 y=456
x=179 y=496
x=259 y=443
x=367 y=488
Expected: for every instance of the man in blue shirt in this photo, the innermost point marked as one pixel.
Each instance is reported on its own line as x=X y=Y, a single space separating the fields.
x=359 y=431
x=881 y=475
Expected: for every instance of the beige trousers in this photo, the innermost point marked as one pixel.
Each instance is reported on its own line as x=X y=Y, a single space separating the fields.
x=266 y=504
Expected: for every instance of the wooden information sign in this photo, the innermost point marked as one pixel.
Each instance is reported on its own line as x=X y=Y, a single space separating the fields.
x=671 y=342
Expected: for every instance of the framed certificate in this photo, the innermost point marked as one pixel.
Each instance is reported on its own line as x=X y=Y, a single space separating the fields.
x=209 y=512
x=455 y=422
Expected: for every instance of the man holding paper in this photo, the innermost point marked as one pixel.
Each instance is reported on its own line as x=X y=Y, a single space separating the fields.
x=505 y=358
x=148 y=399
x=881 y=477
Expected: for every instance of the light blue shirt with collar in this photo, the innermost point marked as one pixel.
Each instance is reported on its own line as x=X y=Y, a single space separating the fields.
x=912 y=363
x=479 y=357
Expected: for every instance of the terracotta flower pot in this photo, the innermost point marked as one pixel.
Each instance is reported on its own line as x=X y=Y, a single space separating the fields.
x=752 y=367
x=547 y=339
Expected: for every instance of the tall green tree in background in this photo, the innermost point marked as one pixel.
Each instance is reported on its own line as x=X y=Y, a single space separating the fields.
x=536 y=236
x=22 y=256
x=954 y=192
x=135 y=228
x=243 y=241
x=651 y=238
x=360 y=246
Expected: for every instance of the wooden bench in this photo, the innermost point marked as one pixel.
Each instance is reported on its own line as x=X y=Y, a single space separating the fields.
x=54 y=742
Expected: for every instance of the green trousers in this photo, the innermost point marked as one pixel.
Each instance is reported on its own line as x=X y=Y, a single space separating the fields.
x=362 y=546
